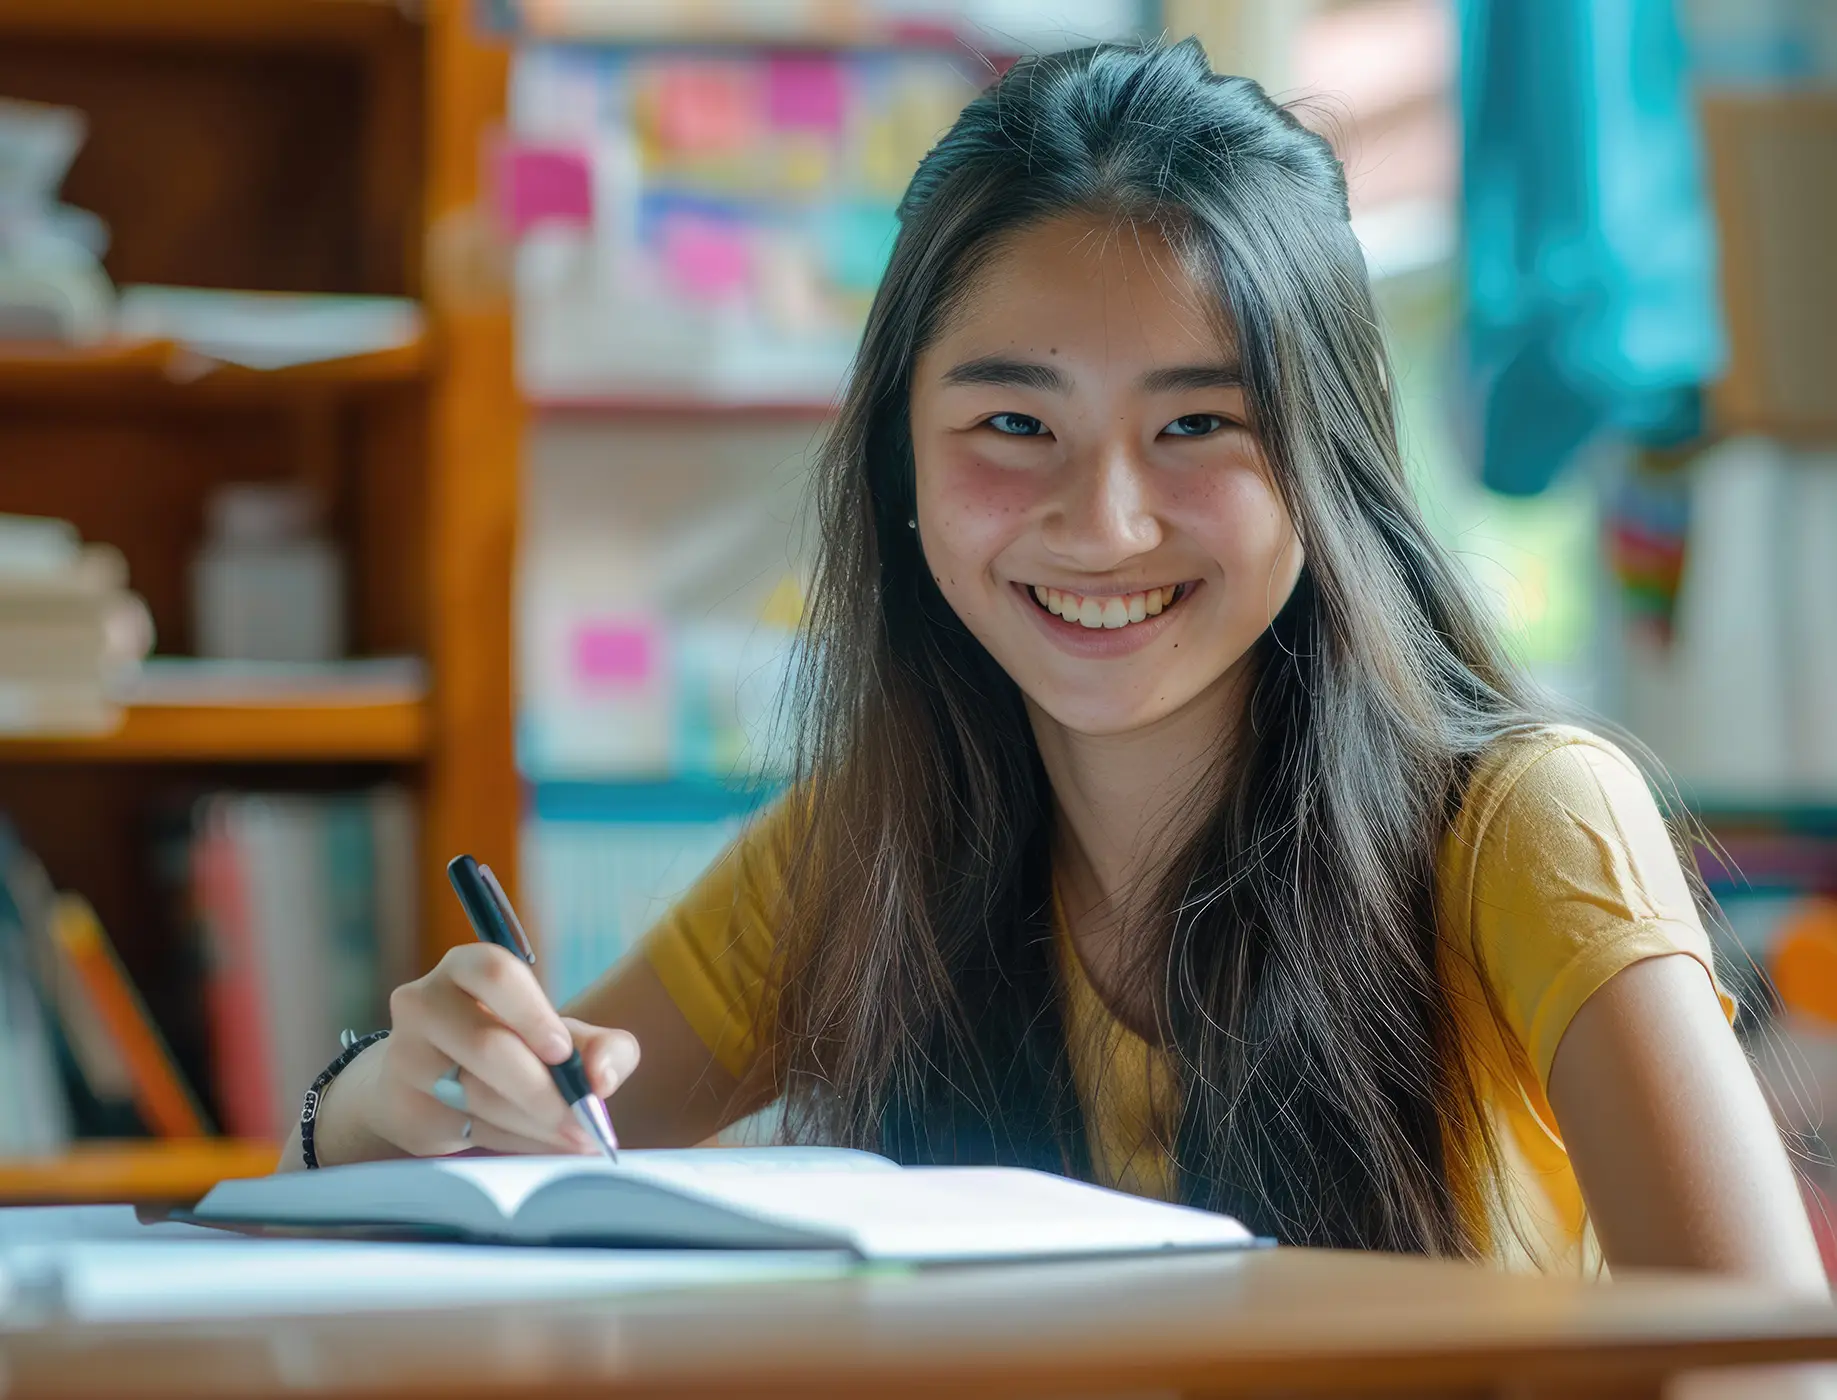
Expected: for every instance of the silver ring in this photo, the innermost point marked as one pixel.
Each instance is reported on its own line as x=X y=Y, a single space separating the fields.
x=465 y=1133
x=450 y=1091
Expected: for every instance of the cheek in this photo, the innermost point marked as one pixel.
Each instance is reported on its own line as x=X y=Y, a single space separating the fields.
x=969 y=508
x=1240 y=521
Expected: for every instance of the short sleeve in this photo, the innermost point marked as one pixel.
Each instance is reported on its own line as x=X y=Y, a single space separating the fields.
x=713 y=950
x=1570 y=877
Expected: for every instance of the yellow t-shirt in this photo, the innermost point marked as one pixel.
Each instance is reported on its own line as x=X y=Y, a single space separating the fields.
x=1556 y=874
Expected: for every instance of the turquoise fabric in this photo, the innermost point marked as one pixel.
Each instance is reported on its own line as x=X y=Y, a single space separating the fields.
x=1590 y=252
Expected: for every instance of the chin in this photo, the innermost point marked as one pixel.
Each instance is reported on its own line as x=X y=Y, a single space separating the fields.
x=1095 y=718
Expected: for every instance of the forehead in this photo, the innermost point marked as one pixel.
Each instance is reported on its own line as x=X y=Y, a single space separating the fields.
x=1086 y=284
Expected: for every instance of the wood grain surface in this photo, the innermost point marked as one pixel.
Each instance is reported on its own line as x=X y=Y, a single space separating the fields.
x=1291 y=1322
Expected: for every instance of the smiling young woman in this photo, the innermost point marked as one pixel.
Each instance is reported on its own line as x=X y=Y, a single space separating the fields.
x=1167 y=813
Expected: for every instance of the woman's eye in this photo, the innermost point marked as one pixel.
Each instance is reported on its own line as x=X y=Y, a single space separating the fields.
x=1016 y=425
x=1195 y=425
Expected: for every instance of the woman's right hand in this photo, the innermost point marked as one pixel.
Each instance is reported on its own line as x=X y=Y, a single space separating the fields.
x=481 y=1009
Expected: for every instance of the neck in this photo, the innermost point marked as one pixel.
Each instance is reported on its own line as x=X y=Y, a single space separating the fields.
x=1121 y=799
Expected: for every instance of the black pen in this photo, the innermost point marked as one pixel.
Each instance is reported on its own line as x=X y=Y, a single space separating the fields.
x=494 y=921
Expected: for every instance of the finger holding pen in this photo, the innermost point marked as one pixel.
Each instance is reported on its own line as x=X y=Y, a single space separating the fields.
x=483 y=1067
x=479 y=1008
x=507 y=1045
x=476 y=1057
x=489 y=911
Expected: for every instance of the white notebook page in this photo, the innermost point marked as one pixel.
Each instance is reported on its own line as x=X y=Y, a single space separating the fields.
x=973 y=1213
x=510 y=1181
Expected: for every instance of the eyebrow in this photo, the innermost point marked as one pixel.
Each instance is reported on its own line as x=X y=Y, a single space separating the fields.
x=1003 y=373
x=1009 y=374
x=1179 y=377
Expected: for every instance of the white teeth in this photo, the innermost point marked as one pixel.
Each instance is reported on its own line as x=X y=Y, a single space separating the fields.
x=1110 y=610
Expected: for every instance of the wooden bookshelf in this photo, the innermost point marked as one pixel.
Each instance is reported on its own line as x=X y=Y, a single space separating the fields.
x=393 y=731
x=297 y=146
x=159 y=366
x=151 y=1171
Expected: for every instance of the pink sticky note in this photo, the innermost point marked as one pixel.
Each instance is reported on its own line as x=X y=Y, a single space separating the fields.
x=614 y=655
x=705 y=107
x=706 y=258
x=538 y=184
x=804 y=93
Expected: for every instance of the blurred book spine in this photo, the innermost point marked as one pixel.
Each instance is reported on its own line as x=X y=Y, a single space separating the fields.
x=305 y=906
x=35 y=1055
x=110 y=1003
x=80 y=1055
x=604 y=861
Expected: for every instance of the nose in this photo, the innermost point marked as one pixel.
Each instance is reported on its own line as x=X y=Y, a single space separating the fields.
x=1103 y=515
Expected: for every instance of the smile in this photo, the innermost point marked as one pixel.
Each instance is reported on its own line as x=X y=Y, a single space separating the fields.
x=1109 y=610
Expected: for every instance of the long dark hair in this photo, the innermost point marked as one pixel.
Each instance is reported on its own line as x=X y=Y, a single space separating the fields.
x=1292 y=942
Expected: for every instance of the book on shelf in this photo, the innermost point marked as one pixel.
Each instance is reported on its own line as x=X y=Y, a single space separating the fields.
x=111 y=1072
x=35 y=1111
x=102 y=996
x=306 y=907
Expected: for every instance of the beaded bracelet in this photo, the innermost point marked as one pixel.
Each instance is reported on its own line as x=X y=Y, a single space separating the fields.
x=309 y=1107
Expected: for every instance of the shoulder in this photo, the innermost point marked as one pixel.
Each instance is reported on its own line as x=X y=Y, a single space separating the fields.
x=1558 y=870
x=1548 y=772
x=1548 y=807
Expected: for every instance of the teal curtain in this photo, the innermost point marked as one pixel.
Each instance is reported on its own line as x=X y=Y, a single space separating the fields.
x=1589 y=246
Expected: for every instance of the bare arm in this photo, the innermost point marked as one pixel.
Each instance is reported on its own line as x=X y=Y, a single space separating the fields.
x=1678 y=1157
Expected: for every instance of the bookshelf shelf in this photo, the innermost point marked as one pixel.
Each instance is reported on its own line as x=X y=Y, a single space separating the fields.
x=385 y=731
x=152 y=1171
x=163 y=366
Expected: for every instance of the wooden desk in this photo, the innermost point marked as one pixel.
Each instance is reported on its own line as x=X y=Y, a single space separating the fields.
x=1294 y=1322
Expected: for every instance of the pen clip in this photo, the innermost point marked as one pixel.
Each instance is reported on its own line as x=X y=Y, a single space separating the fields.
x=524 y=948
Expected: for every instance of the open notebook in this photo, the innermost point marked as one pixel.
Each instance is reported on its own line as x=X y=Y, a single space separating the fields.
x=725 y=1198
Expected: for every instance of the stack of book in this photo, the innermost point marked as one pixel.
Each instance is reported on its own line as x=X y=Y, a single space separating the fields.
x=71 y=635
x=306 y=908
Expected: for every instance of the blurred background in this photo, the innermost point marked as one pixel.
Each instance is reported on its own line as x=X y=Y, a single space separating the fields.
x=405 y=409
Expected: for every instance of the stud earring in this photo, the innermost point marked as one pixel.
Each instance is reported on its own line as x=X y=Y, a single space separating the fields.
x=912 y=524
